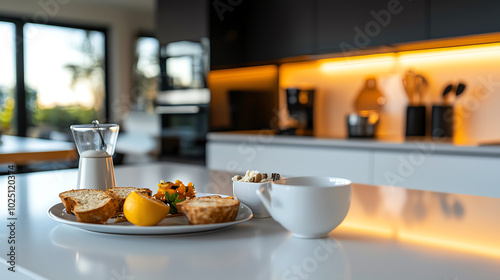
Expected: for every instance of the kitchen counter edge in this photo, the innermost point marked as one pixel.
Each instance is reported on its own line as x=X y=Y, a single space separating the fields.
x=426 y=145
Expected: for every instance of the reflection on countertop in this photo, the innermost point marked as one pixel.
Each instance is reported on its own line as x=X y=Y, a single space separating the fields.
x=444 y=220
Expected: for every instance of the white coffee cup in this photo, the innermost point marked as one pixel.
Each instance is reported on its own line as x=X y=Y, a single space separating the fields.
x=309 y=207
x=245 y=192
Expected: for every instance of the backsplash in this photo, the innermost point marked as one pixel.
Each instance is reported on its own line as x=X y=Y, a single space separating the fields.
x=338 y=81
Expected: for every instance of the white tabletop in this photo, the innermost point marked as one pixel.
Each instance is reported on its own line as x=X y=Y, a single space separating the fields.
x=389 y=233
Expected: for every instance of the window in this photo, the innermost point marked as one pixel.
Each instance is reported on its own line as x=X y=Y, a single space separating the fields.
x=184 y=65
x=7 y=77
x=63 y=77
x=146 y=73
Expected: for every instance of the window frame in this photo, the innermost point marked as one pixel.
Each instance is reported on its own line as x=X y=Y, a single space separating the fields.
x=21 y=112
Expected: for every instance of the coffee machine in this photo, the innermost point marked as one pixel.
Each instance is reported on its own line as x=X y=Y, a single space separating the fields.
x=300 y=105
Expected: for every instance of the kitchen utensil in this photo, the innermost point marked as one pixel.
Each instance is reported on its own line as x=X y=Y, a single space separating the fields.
x=450 y=98
x=308 y=216
x=96 y=146
x=370 y=98
x=446 y=95
x=409 y=84
x=421 y=86
x=96 y=128
x=460 y=89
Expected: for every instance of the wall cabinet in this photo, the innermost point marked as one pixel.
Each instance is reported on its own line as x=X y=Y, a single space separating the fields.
x=181 y=20
x=259 y=31
x=451 y=18
x=351 y=25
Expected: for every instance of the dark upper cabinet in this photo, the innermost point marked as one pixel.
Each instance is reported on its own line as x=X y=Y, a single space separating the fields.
x=259 y=31
x=227 y=33
x=250 y=32
x=362 y=23
x=181 y=20
x=451 y=18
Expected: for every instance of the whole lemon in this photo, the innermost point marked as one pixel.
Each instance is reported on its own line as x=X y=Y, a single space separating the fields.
x=142 y=210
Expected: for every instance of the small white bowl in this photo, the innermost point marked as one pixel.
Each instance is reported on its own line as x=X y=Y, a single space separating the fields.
x=246 y=193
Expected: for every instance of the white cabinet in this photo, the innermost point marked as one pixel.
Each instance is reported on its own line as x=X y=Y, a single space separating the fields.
x=290 y=160
x=467 y=174
x=442 y=168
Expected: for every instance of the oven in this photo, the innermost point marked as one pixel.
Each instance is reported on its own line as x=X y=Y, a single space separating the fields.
x=183 y=101
x=184 y=118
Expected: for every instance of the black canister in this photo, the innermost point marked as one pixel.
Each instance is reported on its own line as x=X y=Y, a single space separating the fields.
x=442 y=121
x=415 y=121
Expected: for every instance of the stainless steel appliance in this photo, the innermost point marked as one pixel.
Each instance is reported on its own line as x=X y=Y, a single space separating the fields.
x=362 y=125
x=184 y=122
x=368 y=105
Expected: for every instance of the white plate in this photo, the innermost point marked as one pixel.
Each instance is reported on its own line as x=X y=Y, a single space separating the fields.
x=174 y=225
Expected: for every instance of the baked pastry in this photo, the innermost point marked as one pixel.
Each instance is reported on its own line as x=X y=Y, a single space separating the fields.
x=121 y=193
x=209 y=210
x=214 y=196
x=89 y=206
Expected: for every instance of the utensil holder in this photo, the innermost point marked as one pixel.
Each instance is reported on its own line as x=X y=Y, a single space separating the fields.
x=415 y=121
x=442 y=121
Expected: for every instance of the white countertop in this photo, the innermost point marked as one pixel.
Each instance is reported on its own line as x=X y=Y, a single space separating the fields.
x=389 y=233
x=436 y=145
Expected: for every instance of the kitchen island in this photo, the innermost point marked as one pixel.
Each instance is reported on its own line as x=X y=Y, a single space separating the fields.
x=389 y=233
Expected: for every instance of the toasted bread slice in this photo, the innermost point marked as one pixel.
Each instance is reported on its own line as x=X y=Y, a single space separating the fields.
x=121 y=193
x=209 y=197
x=89 y=206
x=209 y=210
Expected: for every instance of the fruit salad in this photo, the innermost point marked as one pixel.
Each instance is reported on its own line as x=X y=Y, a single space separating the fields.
x=174 y=192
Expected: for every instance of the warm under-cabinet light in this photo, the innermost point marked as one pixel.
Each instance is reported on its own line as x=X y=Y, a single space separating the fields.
x=243 y=72
x=343 y=63
x=437 y=55
x=452 y=53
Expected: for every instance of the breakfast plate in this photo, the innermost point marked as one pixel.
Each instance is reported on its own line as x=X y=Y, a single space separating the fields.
x=172 y=225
